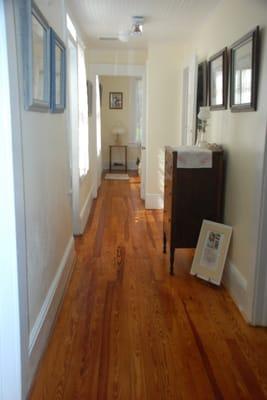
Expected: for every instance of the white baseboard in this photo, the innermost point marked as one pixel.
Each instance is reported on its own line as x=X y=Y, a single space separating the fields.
x=131 y=165
x=237 y=287
x=154 y=201
x=84 y=215
x=41 y=330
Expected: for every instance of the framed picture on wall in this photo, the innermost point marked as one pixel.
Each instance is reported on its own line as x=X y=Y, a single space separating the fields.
x=35 y=37
x=115 y=100
x=211 y=251
x=218 y=80
x=58 y=73
x=244 y=65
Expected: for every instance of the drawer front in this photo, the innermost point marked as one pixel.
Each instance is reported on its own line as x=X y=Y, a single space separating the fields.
x=198 y=195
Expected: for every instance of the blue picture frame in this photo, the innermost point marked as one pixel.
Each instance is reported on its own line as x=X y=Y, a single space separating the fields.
x=30 y=20
x=58 y=73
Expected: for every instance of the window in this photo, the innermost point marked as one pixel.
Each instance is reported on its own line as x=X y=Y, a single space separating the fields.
x=71 y=28
x=83 y=132
x=136 y=105
x=82 y=113
x=139 y=111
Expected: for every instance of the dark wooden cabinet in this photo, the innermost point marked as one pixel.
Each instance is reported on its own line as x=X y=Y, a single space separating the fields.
x=190 y=195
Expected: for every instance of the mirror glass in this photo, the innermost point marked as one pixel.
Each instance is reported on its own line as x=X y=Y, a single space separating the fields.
x=217 y=81
x=242 y=58
x=38 y=56
x=58 y=67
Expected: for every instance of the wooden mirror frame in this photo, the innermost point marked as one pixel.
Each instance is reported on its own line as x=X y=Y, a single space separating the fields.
x=57 y=42
x=252 y=105
x=223 y=54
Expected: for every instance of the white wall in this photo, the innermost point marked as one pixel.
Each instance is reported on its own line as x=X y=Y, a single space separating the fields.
x=163 y=106
x=11 y=259
x=49 y=240
x=116 y=56
x=123 y=117
x=243 y=137
x=46 y=186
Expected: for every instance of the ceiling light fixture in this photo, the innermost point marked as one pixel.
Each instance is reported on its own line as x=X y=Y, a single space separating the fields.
x=137 y=26
x=124 y=36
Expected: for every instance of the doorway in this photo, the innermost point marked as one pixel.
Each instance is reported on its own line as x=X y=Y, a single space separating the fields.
x=121 y=122
x=96 y=72
x=72 y=134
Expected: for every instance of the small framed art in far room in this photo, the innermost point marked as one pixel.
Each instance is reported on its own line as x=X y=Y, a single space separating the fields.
x=244 y=71
x=218 y=80
x=116 y=100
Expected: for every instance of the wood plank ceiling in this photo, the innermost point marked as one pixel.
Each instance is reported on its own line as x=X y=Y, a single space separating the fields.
x=165 y=20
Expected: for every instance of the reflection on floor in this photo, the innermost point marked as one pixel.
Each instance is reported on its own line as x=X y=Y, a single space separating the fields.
x=127 y=330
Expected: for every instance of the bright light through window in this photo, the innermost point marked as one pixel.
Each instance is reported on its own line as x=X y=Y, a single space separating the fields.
x=83 y=114
x=219 y=87
x=98 y=117
x=243 y=86
x=71 y=28
x=139 y=111
x=136 y=103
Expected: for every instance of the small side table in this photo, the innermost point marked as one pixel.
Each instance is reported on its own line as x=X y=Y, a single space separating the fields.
x=112 y=146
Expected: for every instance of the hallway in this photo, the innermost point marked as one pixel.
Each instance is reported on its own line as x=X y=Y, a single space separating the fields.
x=127 y=330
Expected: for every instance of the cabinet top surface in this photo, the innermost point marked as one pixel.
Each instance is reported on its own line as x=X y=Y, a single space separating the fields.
x=176 y=149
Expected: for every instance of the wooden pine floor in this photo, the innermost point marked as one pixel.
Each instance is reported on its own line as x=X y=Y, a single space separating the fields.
x=129 y=331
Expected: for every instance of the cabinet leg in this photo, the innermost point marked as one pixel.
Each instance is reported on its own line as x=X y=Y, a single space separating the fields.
x=164 y=242
x=171 y=261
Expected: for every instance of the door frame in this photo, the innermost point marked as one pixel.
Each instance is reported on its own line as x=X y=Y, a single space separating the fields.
x=189 y=101
x=14 y=328
x=73 y=137
x=114 y=70
x=184 y=119
x=258 y=286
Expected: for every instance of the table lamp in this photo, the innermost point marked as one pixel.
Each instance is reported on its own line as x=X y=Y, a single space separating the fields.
x=118 y=131
x=203 y=116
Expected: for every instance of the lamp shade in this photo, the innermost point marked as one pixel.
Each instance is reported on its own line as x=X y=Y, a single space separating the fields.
x=204 y=113
x=118 y=131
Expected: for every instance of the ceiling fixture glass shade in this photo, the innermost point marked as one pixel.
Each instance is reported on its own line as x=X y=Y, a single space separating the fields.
x=137 y=27
x=137 y=30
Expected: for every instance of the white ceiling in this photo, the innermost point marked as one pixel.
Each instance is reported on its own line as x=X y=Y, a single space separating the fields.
x=165 y=20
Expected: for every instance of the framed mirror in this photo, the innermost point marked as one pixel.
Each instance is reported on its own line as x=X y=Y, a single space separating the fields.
x=58 y=73
x=218 y=80
x=244 y=61
x=35 y=50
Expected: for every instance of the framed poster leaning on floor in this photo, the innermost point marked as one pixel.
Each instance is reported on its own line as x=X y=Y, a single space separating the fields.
x=211 y=251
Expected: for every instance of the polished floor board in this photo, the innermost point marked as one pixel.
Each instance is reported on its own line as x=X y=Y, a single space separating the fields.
x=129 y=331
